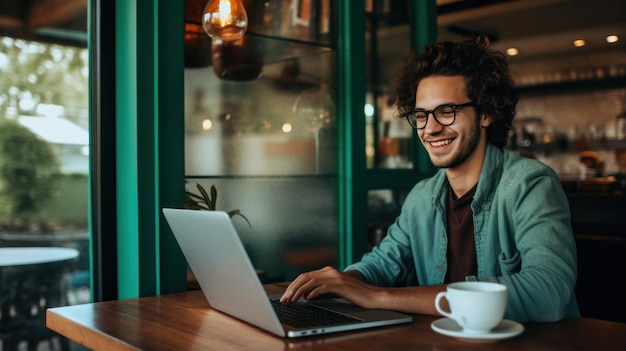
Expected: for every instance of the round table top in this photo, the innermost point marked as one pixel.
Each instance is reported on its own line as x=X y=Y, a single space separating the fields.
x=18 y=256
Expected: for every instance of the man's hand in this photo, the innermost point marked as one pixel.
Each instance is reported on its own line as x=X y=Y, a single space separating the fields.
x=328 y=280
x=352 y=286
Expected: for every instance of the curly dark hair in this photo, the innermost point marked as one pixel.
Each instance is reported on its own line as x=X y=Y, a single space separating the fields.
x=489 y=83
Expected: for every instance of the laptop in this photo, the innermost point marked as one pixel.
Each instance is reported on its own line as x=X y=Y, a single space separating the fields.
x=218 y=259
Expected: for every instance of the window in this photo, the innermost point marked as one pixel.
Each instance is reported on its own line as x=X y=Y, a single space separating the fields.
x=44 y=171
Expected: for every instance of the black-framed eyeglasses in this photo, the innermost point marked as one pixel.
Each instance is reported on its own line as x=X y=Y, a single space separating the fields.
x=445 y=115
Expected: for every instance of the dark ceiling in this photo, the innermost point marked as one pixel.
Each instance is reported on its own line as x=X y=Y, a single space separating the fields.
x=542 y=27
x=56 y=21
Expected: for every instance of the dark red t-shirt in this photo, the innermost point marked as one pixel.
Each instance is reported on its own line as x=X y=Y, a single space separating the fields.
x=461 y=252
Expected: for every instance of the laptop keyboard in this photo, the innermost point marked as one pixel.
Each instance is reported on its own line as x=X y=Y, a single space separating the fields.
x=303 y=315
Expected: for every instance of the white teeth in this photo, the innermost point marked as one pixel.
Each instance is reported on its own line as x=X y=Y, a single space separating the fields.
x=441 y=142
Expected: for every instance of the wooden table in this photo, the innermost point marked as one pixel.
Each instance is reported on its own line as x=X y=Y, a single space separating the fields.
x=185 y=321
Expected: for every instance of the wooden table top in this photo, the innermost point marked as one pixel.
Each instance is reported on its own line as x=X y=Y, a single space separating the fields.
x=185 y=321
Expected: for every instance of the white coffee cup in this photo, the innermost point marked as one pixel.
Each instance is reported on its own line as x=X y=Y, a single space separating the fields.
x=477 y=307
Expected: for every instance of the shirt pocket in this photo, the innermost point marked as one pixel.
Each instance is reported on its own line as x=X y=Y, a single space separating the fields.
x=510 y=265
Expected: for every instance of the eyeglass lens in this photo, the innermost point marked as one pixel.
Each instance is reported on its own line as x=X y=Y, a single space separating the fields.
x=444 y=115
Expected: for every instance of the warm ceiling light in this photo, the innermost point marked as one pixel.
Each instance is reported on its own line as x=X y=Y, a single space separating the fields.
x=207 y=124
x=580 y=43
x=612 y=39
x=225 y=20
x=512 y=51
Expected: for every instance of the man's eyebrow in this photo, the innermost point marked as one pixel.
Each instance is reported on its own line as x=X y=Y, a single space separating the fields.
x=442 y=104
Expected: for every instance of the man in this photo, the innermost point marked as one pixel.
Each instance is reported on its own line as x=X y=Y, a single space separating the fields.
x=487 y=215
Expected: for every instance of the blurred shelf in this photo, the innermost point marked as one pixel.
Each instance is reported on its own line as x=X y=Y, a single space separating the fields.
x=262 y=176
x=276 y=49
x=566 y=87
x=275 y=31
x=566 y=146
x=607 y=145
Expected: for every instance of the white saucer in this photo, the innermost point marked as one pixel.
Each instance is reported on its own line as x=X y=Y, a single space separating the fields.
x=506 y=329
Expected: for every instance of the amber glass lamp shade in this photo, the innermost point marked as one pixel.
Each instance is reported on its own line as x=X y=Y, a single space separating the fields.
x=225 y=20
x=239 y=60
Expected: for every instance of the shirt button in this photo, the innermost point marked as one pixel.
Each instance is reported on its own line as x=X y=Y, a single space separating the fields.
x=438 y=267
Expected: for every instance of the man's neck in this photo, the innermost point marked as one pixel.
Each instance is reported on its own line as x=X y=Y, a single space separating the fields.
x=463 y=177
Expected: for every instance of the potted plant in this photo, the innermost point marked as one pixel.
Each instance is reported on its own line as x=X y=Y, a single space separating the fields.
x=207 y=202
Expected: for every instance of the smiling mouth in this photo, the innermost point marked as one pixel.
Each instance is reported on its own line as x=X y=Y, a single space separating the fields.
x=441 y=142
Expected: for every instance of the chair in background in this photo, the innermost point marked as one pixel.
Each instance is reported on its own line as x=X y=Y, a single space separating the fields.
x=25 y=294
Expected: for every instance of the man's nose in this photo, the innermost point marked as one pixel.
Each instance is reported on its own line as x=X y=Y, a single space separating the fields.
x=432 y=125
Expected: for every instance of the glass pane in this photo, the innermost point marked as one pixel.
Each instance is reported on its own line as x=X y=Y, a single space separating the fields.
x=298 y=20
x=279 y=29
x=388 y=136
x=44 y=170
x=383 y=207
x=261 y=125
x=273 y=125
x=293 y=220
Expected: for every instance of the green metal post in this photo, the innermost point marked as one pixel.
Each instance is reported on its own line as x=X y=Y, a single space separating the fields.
x=171 y=139
x=144 y=106
x=423 y=31
x=351 y=100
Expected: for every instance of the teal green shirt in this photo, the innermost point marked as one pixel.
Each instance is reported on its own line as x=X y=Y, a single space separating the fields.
x=523 y=238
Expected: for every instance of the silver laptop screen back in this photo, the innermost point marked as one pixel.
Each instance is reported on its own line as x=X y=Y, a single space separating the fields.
x=216 y=256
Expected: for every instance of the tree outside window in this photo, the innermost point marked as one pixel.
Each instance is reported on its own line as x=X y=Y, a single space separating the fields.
x=43 y=137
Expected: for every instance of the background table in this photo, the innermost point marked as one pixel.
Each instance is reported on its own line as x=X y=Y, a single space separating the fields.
x=22 y=256
x=185 y=321
x=31 y=280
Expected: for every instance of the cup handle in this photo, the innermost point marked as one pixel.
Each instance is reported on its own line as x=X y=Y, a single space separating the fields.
x=437 y=299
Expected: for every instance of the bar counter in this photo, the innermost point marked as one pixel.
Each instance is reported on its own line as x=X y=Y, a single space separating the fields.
x=185 y=321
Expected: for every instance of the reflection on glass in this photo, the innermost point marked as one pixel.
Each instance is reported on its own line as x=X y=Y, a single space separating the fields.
x=387 y=41
x=388 y=137
x=314 y=109
x=269 y=144
x=383 y=207
x=279 y=124
x=238 y=60
x=293 y=221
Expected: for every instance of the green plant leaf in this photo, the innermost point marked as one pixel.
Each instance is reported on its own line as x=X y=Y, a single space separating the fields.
x=193 y=205
x=237 y=212
x=214 y=197
x=208 y=203
x=193 y=196
x=206 y=197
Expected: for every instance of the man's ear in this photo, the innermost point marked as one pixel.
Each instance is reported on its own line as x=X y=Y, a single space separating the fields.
x=485 y=120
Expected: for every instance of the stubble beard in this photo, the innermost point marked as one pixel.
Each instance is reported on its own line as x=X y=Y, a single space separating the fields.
x=469 y=145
